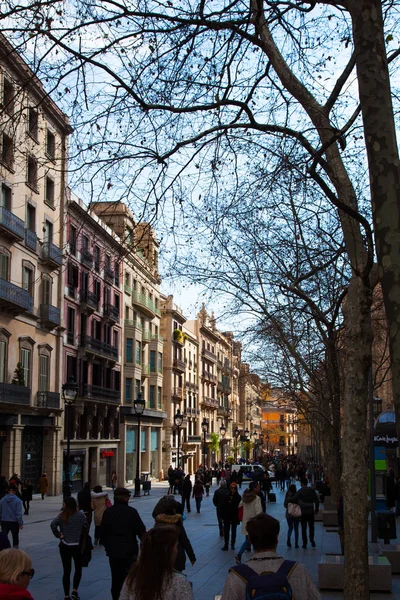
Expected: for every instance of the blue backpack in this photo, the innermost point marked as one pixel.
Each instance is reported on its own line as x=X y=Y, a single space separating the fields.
x=267 y=586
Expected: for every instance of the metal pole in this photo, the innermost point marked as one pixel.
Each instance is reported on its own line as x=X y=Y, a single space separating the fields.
x=137 y=478
x=204 y=449
x=374 y=537
x=67 y=476
x=179 y=438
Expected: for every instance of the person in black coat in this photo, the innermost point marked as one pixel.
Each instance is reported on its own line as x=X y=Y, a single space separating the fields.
x=186 y=492
x=85 y=503
x=120 y=527
x=218 y=500
x=26 y=494
x=230 y=515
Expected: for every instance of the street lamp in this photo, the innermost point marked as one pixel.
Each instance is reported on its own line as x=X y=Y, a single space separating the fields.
x=236 y=433
x=138 y=407
x=69 y=393
x=254 y=436
x=246 y=435
x=178 y=420
x=222 y=431
x=204 y=426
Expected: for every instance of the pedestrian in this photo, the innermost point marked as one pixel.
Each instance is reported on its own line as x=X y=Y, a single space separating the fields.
x=207 y=481
x=15 y=574
x=307 y=498
x=263 y=531
x=70 y=526
x=218 y=501
x=266 y=484
x=240 y=477
x=26 y=494
x=230 y=515
x=186 y=492
x=15 y=480
x=252 y=506
x=3 y=486
x=85 y=503
x=11 y=514
x=153 y=575
x=121 y=525
x=99 y=505
x=171 y=479
x=292 y=520
x=43 y=485
x=198 y=493
x=168 y=512
x=114 y=480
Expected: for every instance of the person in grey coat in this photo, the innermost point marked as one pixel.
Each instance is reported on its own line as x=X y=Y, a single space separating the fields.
x=11 y=514
x=307 y=498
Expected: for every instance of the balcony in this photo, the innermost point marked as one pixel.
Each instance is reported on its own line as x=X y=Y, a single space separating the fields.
x=128 y=289
x=179 y=365
x=224 y=388
x=155 y=337
x=210 y=402
x=14 y=299
x=146 y=335
x=145 y=371
x=109 y=274
x=90 y=301
x=10 y=225
x=30 y=239
x=96 y=392
x=144 y=304
x=177 y=394
x=15 y=394
x=209 y=376
x=86 y=258
x=209 y=355
x=132 y=323
x=48 y=400
x=95 y=346
x=194 y=439
x=50 y=316
x=51 y=254
x=111 y=312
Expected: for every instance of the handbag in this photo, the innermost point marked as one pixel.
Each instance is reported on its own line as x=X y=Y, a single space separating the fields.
x=108 y=503
x=294 y=510
x=240 y=513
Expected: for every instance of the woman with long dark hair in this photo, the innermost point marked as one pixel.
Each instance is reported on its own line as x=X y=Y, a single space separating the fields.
x=69 y=527
x=153 y=576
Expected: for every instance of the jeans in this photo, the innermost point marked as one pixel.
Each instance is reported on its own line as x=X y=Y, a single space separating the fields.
x=186 y=502
x=220 y=524
x=13 y=526
x=245 y=546
x=68 y=553
x=230 y=526
x=293 y=523
x=198 y=503
x=26 y=506
x=310 y=520
x=119 y=570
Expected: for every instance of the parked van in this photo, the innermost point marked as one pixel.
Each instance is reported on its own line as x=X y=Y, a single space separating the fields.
x=249 y=471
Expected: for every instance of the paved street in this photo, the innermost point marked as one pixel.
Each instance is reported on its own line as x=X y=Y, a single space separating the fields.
x=208 y=574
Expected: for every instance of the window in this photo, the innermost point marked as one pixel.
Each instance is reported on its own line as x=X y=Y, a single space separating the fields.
x=116 y=338
x=4 y=263
x=26 y=365
x=116 y=274
x=49 y=191
x=127 y=279
x=33 y=121
x=97 y=289
x=44 y=364
x=129 y=350
x=46 y=290
x=137 y=388
x=159 y=397
x=73 y=279
x=32 y=172
x=152 y=397
x=138 y=353
x=8 y=96
x=50 y=144
x=97 y=259
x=30 y=217
x=152 y=361
x=85 y=242
x=70 y=325
x=117 y=302
x=27 y=278
x=128 y=390
x=3 y=359
x=5 y=199
x=7 y=151
x=72 y=240
x=160 y=362
x=48 y=233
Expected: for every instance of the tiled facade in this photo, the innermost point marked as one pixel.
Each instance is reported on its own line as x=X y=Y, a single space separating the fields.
x=33 y=140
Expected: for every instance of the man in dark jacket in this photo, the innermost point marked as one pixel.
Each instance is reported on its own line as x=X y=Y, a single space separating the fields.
x=120 y=527
x=306 y=497
x=218 y=500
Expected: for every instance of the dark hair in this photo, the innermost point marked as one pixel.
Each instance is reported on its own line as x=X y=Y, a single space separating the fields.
x=155 y=565
x=304 y=481
x=69 y=508
x=292 y=488
x=263 y=531
x=97 y=489
x=86 y=486
x=253 y=485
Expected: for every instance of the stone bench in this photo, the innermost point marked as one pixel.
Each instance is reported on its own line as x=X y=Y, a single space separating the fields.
x=392 y=553
x=330 y=518
x=331 y=573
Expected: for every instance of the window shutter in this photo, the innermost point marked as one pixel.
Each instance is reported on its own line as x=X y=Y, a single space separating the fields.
x=43 y=373
x=25 y=361
x=3 y=349
x=4 y=266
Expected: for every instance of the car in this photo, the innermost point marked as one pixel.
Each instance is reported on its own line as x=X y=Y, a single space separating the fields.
x=253 y=471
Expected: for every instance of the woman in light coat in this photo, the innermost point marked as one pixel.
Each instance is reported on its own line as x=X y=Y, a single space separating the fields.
x=251 y=507
x=99 y=505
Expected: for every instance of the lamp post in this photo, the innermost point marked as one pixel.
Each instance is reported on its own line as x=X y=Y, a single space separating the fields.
x=236 y=433
x=267 y=441
x=204 y=426
x=254 y=436
x=69 y=393
x=138 y=407
x=178 y=420
x=222 y=431
x=246 y=434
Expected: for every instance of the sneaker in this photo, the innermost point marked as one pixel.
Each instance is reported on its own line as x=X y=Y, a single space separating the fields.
x=74 y=596
x=224 y=548
x=238 y=559
x=304 y=546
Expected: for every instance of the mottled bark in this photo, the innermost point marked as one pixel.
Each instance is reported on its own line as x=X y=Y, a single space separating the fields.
x=383 y=160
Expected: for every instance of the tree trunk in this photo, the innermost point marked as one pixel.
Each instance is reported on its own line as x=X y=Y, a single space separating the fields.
x=383 y=160
x=358 y=336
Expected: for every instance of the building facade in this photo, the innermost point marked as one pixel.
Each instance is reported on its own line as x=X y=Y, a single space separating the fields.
x=34 y=135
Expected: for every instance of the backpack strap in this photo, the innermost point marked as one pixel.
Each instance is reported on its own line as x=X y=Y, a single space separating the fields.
x=244 y=572
x=287 y=567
